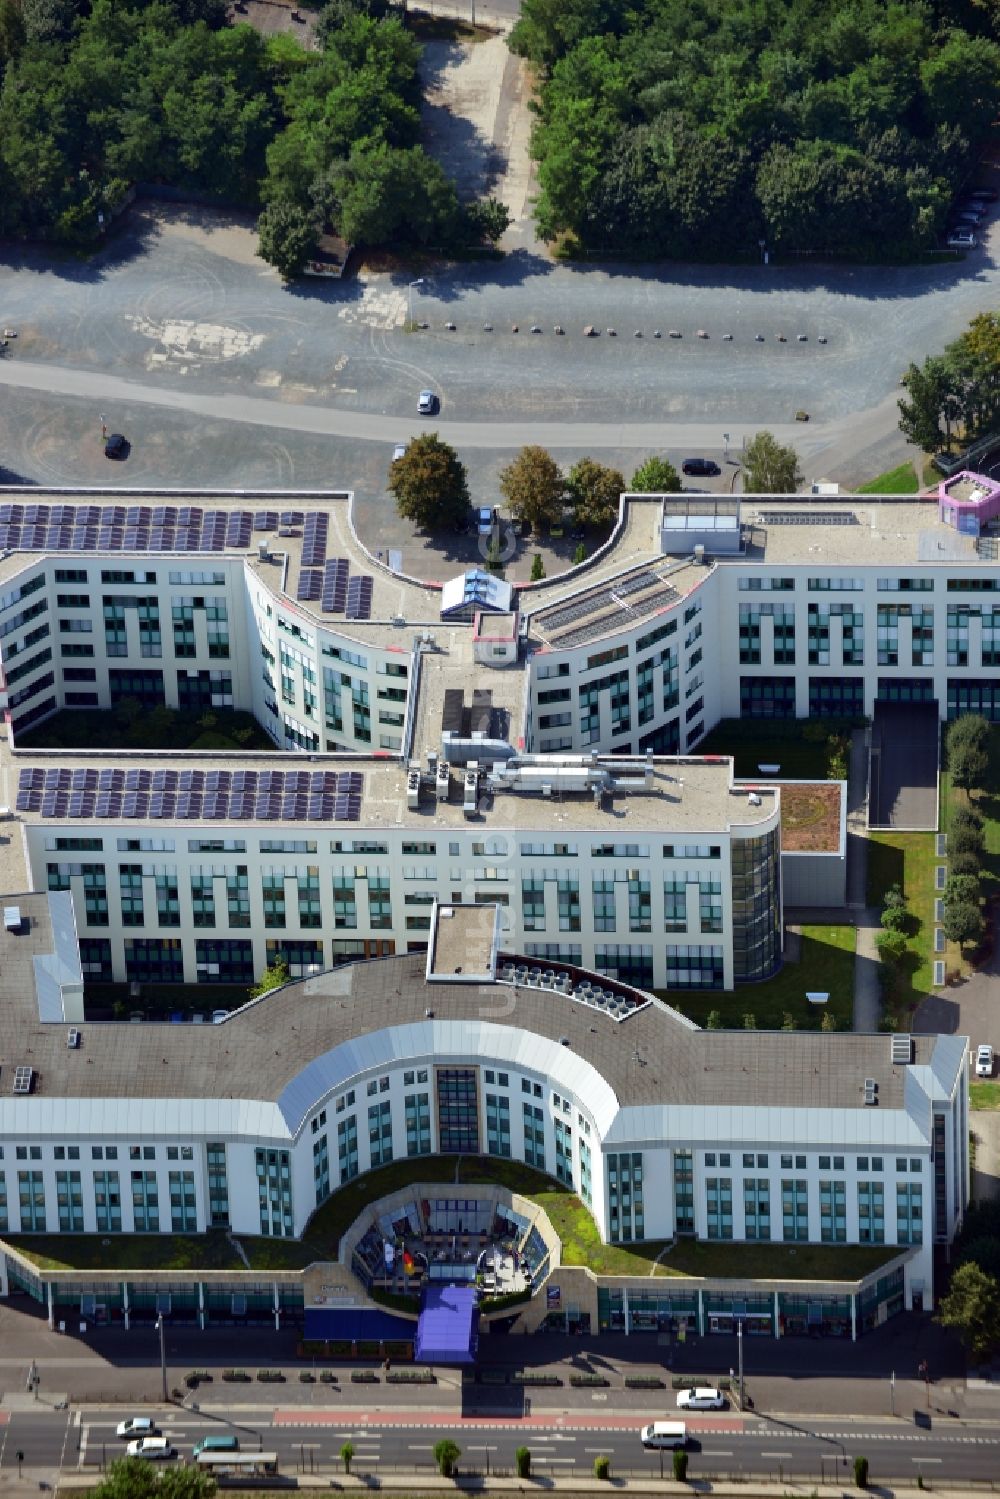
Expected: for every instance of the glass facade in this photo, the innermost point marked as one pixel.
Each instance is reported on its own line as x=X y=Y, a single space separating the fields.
x=756 y=888
x=458 y=1111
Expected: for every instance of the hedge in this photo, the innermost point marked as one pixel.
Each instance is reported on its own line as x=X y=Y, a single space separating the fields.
x=643 y=1382
x=529 y=1376
x=587 y=1380
x=411 y=1376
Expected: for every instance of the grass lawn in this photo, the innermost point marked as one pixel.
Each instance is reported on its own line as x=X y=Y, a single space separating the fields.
x=907 y=860
x=901 y=480
x=211 y=1251
x=775 y=1261
x=826 y=963
x=773 y=741
x=983 y=1095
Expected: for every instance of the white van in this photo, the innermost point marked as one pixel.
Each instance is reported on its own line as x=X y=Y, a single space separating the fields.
x=664 y=1434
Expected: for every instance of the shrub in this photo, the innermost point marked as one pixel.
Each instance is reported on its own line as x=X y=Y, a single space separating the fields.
x=966 y=817
x=446 y=1455
x=966 y=863
x=582 y=1381
x=680 y=1465
x=411 y=1376
x=327 y=1376
x=236 y=1376
x=306 y=1376
x=860 y=1472
x=643 y=1382
x=532 y=1377
x=602 y=1467
x=522 y=1462
x=364 y=1376
x=270 y=1376
x=346 y=1453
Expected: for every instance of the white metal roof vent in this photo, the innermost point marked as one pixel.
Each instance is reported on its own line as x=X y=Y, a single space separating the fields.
x=753 y=799
x=12 y=918
x=24 y=1078
x=902 y=1049
x=73 y=1039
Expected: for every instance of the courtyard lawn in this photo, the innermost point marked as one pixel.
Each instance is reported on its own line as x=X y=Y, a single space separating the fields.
x=567 y=1214
x=775 y=1261
x=907 y=860
x=984 y=1095
x=901 y=480
x=774 y=741
x=826 y=963
x=211 y=1251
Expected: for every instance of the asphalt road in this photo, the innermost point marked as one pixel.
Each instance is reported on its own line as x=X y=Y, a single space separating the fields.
x=721 y=1444
x=179 y=316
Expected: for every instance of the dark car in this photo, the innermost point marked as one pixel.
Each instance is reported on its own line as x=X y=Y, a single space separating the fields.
x=985 y=194
x=116 y=446
x=707 y=467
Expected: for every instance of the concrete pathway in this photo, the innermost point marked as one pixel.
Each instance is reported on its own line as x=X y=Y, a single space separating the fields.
x=867 y=995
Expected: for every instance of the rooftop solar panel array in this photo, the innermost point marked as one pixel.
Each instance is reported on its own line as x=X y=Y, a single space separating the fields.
x=359 y=597
x=129 y=528
x=314 y=534
x=217 y=795
x=310 y=583
x=335 y=585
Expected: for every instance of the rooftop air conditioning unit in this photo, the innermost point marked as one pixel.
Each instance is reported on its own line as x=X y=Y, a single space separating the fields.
x=73 y=1039
x=901 y=1050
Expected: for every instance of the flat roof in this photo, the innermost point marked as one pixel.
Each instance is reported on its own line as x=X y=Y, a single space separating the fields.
x=658 y=1058
x=462 y=941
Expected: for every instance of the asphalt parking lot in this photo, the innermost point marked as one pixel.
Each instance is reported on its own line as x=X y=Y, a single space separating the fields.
x=177 y=304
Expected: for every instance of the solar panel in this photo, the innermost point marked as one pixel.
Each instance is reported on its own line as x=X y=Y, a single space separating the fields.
x=310 y=584
x=23 y=1079
x=808 y=517
x=265 y=520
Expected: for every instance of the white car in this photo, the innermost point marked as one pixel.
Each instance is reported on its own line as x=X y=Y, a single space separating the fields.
x=961 y=239
x=702 y=1398
x=399 y=451
x=137 y=1426
x=426 y=403
x=218 y=1016
x=151 y=1448
x=984 y=1061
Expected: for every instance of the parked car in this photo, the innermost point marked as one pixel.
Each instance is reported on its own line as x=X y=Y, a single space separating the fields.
x=137 y=1426
x=984 y=195
x=707 y=467
x=398 y=451
x=702 y=1398
x=427 y=403
x=487 y=516
x=218 y=1016
x=155 y=1448
x=961 y=239
x=116 y=446
x=965 y=218
x=984 y=1061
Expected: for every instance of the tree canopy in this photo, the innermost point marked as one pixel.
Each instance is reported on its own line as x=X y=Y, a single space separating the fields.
x=534 y=487
x=957 y=392
x=698 y=129
x=99 y=95
x=769 y=467
x=656 y=476
x=595 y=492
x=131 y=1479
x=429 y=483
x=972 y=1308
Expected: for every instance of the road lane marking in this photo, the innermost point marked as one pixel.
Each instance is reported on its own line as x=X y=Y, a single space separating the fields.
x=926 y=1459
x=775 y=1454
x=713 y=1452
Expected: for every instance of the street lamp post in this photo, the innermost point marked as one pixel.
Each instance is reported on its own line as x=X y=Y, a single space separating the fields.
x=739 y=1346
x=409 y=291
x=161 y=1329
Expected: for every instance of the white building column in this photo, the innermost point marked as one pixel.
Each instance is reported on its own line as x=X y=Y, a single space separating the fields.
x=126 y=1310
x=50 y=1296
x=277 y=1306
x=627 y=1310
x=201 y=1305
x=777 y=1317
x=854 y=1319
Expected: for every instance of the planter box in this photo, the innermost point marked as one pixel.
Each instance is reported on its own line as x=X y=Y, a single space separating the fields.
x=643 y=1382
x=364 y=1376
x=587 y=1381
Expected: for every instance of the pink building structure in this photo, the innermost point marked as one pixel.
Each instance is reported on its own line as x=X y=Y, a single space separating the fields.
x=967 y=501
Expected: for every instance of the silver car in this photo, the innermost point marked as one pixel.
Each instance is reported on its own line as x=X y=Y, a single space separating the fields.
x=427 y=403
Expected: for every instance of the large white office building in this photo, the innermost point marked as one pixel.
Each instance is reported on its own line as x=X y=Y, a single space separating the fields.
x=469 y=742
x=663 y=1129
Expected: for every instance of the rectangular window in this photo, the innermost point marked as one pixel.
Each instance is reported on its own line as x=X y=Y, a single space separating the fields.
x=274 y=1192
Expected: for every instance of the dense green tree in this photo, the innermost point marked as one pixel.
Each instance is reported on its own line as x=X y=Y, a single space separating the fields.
x=429 y=483
x=537 y=568
x=385 y=195
x=928 y=411
x=968 y=743
x=287 y=236
x=533 y=487
x=656 y=476
x=770 y=467
x=595 y=491
x=487 y=219
x=963 y=922
x=972 y=1308
x=446 y=1455
x=668 y=130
